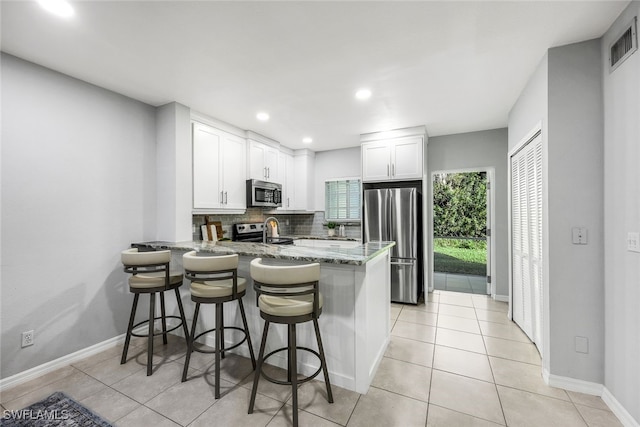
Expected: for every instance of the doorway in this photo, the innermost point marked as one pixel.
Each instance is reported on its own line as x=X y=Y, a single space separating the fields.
x=461 y=231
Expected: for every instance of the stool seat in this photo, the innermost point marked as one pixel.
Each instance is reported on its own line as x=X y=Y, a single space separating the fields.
x=217 y=289
x=288 y=306
x=154 y=279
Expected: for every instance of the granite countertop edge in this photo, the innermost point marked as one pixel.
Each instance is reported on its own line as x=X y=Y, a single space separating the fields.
x=358 y=255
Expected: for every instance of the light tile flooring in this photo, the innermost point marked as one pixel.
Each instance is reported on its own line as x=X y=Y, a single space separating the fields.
x=455 y=360
x=467 y=283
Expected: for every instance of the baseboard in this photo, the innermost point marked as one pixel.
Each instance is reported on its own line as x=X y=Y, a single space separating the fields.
x=623 y=415
x=61 y=362
x=501 y=298
x=594 y=389
x=573 y=384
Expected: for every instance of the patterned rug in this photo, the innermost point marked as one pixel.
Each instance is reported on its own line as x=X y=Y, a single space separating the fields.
x=56 y=410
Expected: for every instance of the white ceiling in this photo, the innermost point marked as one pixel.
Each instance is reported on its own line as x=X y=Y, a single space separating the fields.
x=451 y=66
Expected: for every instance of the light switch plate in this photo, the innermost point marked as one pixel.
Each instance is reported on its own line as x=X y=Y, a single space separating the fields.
x=633 y=241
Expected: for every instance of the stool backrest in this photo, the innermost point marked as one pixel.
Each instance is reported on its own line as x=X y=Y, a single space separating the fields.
x=211 y=268
x=294 y=280
x=136 y=262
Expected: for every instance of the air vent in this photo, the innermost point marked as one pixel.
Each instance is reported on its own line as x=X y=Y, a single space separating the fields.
x=624 y=46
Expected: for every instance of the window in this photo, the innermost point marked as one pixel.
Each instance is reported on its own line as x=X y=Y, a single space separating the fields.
x=342 y=199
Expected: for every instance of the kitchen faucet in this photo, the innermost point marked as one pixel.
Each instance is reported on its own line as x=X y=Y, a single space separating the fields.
x=264 y=229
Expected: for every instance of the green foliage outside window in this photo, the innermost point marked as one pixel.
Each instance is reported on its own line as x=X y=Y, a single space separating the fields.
x=460 y=205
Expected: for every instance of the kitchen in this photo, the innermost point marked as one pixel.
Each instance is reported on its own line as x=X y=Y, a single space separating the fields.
x=114 y=181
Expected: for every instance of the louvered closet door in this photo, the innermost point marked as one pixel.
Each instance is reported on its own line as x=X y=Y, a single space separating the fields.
x=526 y=233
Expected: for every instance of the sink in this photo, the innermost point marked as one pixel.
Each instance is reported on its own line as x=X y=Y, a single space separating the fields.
x=280 y=240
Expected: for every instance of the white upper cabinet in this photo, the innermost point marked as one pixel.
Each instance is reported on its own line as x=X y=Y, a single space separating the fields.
x=287 y=178
x=263 y=162
x=393 y=159
x=219 y=171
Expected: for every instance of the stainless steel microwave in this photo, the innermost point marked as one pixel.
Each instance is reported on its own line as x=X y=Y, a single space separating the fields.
x=263 y=194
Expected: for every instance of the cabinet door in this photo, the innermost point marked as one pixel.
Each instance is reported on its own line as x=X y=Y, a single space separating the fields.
x=271 y=163
x=406 y=158
x=257 y=167
x=206 y=179
x=376 y=161
x=286 y=178
x=232 y=153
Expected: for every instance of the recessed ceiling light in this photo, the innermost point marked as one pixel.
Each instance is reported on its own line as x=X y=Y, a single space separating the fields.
x=263 y=117
x=363 y=94
x=61 y=8
x=307 y=140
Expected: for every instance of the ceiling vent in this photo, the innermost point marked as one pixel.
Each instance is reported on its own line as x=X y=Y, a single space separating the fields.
x=624 y=46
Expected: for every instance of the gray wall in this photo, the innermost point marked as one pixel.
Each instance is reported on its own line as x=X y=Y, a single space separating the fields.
x=575 y=194
x=621 y=215
x=334 y=164
x=78 y=185
x=565 y=96
x=484 y=149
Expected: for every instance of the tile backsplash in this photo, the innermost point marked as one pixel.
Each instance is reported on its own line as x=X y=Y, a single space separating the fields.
x=311 y=224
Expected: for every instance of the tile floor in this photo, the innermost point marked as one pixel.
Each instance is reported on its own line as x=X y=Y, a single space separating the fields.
x=460 y=283
x=455 y=360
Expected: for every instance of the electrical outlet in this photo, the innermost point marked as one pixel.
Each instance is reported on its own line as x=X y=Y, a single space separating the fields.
x=27 y=338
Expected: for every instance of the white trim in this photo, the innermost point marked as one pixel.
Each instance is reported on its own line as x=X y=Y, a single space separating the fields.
x=618 y=410
x=501 y=298
x=61 y=362
x=594 y=389
x=218 y=124
x=572 y=384
x=396 y=133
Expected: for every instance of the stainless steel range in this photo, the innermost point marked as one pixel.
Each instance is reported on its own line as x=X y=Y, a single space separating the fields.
x=252 y=232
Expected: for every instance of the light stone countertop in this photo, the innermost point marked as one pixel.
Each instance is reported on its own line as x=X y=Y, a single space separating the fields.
x=358 y=255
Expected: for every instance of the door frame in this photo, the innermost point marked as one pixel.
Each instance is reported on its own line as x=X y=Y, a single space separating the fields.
x=491 y=266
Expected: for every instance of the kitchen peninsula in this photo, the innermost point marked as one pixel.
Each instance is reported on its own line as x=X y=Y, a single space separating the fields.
x=355 y=321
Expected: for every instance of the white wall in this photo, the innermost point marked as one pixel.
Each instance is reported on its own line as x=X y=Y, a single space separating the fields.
x=484 y=149
x=78 y=186
x=174 y=172
x=622 y=214
x=334 y=164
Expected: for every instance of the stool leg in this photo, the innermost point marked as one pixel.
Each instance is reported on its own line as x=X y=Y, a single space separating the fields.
x=246 y=329
x=323 y=361
x=190 y=339
x=289 y=353
x=164 y=319
x=258 y=372
x=293 y=370
x=127 y=340
x=218 y=347
x=182 y=316
x=152 y=313
x=221 y=329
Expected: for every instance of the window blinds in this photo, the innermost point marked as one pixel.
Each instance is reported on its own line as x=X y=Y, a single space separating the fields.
x=342 y=199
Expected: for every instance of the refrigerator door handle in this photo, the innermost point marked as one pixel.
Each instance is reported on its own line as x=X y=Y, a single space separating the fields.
x=403 y=263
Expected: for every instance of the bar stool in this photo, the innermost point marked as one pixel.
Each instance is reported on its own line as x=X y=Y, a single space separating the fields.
x=288 y=295
x=150 y=275
x=214 y=280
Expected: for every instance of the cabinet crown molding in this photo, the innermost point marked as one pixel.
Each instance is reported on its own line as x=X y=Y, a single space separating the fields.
x=261 y=138
x=218 y=124
x=396 y=133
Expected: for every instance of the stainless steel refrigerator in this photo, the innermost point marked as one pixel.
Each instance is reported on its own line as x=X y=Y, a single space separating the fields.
x=394 y=214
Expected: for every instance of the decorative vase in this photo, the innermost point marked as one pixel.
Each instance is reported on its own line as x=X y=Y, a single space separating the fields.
x=332 y=232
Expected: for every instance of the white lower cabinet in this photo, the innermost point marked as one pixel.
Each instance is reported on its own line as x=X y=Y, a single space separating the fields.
x=219 y=169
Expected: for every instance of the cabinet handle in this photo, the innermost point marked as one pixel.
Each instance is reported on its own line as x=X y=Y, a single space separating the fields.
x=268 y=172
x=226 y=200
x=388 y=169
x=264 y=171
x=393 y=169
x=287 y=202
x=222 y=197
